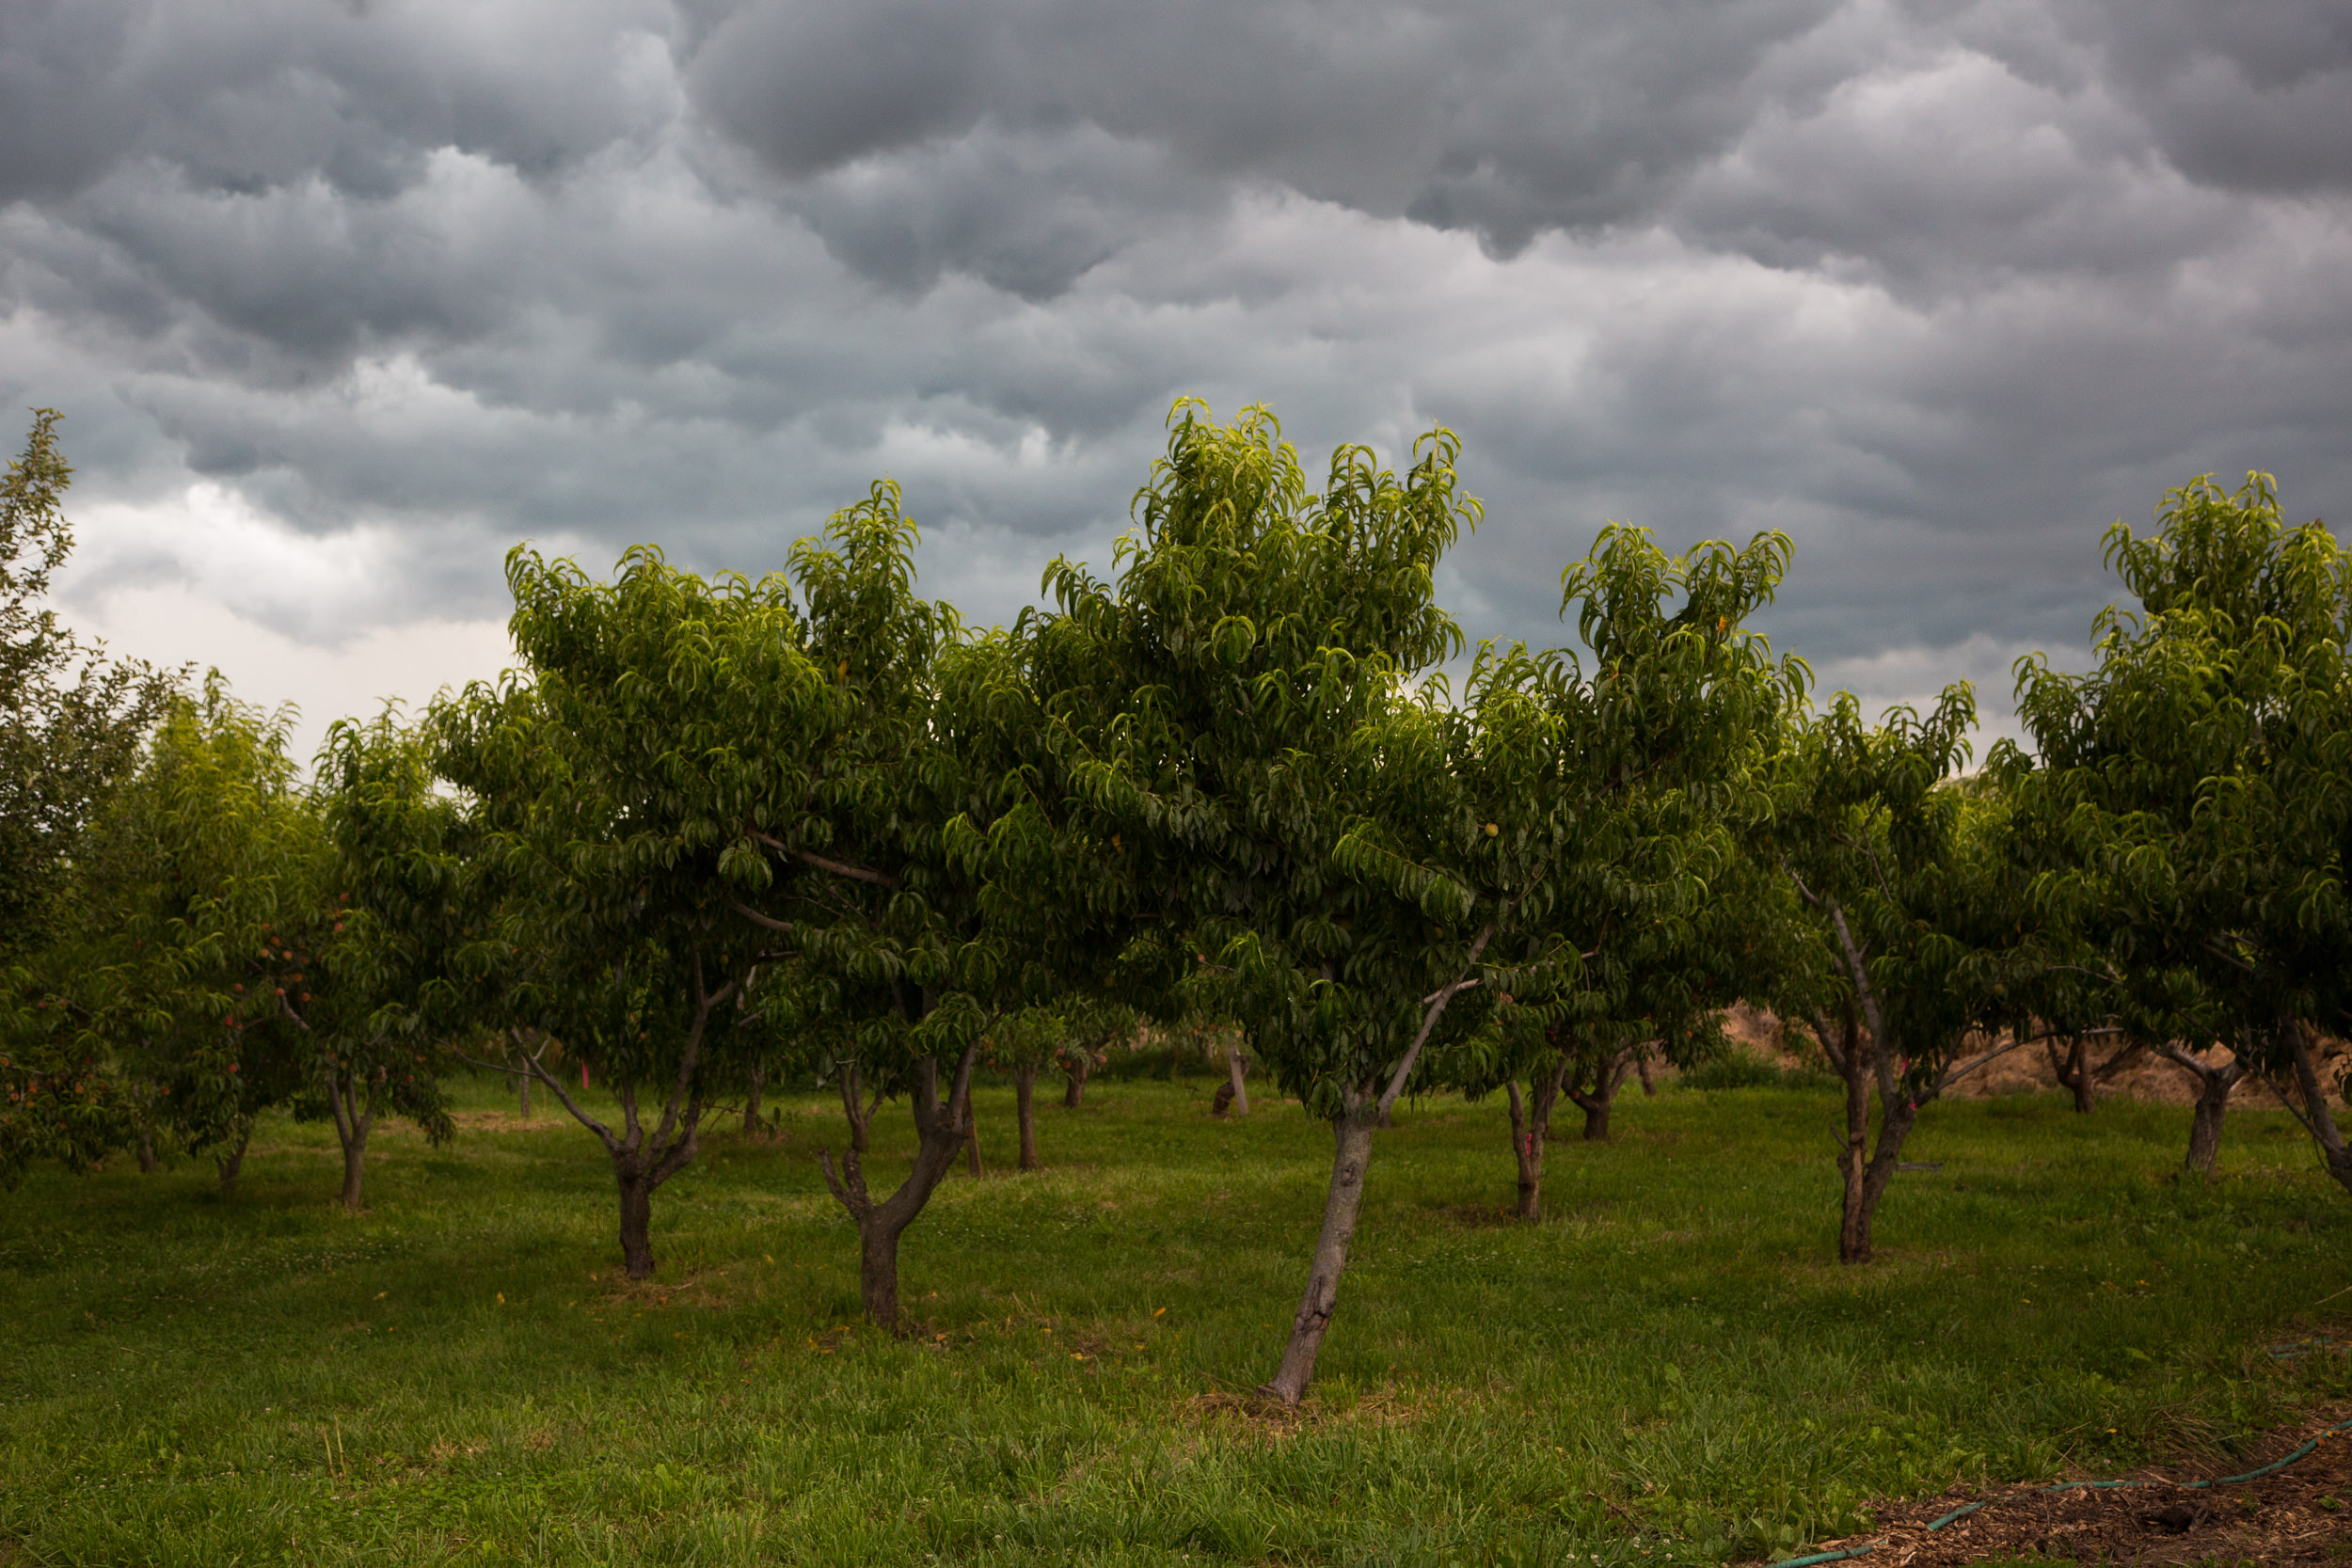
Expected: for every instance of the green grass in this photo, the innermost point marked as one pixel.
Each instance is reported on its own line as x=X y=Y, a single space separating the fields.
x=1672 y=1369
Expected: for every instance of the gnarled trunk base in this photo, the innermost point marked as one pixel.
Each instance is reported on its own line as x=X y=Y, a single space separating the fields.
x=940 y=1131
x=2214 y=1087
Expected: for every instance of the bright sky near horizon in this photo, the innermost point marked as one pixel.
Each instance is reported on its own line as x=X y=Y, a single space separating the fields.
x=342 y=299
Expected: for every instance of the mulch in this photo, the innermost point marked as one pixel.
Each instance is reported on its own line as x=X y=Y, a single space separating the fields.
x=2296 y=1516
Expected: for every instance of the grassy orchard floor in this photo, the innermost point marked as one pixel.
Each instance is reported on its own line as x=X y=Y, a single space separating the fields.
x=1672 y=1369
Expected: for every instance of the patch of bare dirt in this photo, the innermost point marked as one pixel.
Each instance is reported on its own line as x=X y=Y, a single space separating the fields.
x=2299 y=1518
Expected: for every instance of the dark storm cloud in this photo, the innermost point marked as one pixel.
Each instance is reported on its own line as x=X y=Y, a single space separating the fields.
x=1940 y=289
x=2244 y=97
x=1506 y=116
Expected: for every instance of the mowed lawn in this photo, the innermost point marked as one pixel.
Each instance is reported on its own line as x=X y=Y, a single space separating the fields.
x=1671 y=1368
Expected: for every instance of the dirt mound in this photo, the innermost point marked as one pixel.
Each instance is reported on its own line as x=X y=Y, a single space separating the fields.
x=2301 y=1514
x=2143 y=1075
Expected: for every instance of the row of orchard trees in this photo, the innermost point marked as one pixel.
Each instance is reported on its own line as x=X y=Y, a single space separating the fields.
x=716 y=832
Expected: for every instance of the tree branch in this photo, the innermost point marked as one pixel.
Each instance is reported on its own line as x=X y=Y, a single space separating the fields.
x=538 y=1070
x=2272 y=1085
x=832 y=867
x=1826 y=1035
x=1436 y=1007
x=681 y=1086
x=1954 y=1074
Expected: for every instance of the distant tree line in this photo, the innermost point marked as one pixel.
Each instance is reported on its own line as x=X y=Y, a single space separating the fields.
x=715 y=834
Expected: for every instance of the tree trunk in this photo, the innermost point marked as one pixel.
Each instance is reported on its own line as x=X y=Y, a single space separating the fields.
x=1076 y=1073
x=636 y=1184
x=938 y=1129
x=520 y=1062
x=1896 y=1121
x=644 y=1159
x=753 y=1127
x=2214 y=1085
x=877 y=1269
x=228 y=1165
x=347 y=1097
x=1596 y=1102
x=146 y=1150
x=2072 y=1071
x=1365 y=1107
x=1595 y=1109
x=1868 y=1171
x=641 y=1164
x=1350 y=1158
x=2319 y=1121
x=854 y=1109
x=1530 y=1128
x=1236 y=1074
x=354 y=1166
x=1024 y=1109
x=1855 y=1216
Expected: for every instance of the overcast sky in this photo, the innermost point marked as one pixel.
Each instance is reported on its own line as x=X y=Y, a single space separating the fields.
x=342 y=300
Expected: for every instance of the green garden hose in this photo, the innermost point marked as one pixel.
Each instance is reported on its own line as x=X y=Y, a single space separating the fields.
x=1963 y=1511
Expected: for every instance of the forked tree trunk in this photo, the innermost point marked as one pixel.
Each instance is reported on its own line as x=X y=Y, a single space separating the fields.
x=1864 y=1172
x=2072 y=1071
x=1351 y=1157
x=1365 y=1107
x=347 y=1099
x=1856 y=1047
x=2214 y=1087
x=938 y=1129
x=642 y=1162
x=1608 y=1078
x=1025 y=1111
x=1868 y=1172
x=1076 y=1073
x=644 y=1159
x=753 y=1127
x=1596 y=1111
x=1531 y=1127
